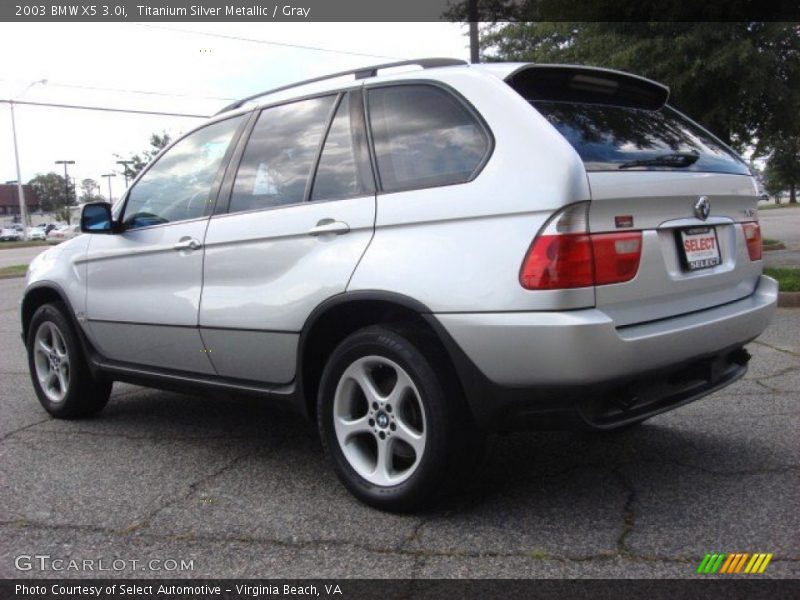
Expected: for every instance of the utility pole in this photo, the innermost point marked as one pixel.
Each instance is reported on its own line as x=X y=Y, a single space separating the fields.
x=23 y=207
x=125 y=164
x=472 y=10
x=109 y=176
x=66 y=187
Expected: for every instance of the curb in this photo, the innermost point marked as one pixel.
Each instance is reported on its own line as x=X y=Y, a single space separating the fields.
x=789 y=299
x=773 y=247
x=12 y=275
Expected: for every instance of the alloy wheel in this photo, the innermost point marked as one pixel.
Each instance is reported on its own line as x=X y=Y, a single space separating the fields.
x=52 y=361
x=379 y=420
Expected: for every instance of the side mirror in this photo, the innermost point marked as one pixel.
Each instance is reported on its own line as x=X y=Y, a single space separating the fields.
x=96 y=218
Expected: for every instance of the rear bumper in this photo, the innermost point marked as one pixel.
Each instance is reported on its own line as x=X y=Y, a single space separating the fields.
x=518 y=365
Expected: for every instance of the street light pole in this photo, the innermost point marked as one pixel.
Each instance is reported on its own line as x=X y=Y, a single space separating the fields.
x=109 y=176
x=23 y=207
x=66 y=186
x=125 y=164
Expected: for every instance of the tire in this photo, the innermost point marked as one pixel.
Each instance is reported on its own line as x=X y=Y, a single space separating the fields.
x=59 y=371
x=393 y=420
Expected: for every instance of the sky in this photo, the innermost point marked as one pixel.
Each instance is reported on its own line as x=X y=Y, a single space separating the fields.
x=194 y=68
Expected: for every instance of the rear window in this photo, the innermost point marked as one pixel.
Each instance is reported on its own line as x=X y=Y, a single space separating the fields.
x=610 y=138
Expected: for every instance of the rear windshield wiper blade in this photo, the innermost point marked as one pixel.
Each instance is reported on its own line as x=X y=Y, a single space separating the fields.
x=677 y=159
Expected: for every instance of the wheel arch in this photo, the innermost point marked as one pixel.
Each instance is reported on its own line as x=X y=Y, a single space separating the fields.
x=42 y=293
x=39 y=294
x=341 y=315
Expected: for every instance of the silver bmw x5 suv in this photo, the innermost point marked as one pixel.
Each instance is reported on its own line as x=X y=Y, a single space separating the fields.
x=413 y=256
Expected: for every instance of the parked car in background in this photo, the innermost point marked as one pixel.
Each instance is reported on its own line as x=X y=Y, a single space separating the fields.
x=36 y=233
x=10 y=234
x=412 y=259
x=64 y=232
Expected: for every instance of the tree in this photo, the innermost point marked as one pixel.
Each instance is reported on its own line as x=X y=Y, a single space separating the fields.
x=50 y=188
x=733 y=77
x=90 y=191
x=783 y=169
x=139 y=161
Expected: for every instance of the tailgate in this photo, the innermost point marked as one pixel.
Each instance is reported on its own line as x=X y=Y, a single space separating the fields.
x=671 y=281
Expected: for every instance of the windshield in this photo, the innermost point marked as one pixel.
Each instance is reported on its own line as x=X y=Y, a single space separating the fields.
x=609 y=138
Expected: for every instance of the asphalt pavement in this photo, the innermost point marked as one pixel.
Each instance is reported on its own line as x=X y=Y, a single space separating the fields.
x=243 y=490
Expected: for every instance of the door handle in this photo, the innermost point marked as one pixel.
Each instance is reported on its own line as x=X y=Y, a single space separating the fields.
x=187 y=243
x=329 y=226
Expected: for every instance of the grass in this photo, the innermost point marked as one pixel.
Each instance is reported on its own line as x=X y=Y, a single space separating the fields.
x=13 y=271
x=770 y=242
x=788 y=278
x=27 y=244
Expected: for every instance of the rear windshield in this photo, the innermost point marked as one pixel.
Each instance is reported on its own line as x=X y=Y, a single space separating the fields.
x=610 y=138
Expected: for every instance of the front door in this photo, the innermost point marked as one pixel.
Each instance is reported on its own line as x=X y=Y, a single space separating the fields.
x=144 y=282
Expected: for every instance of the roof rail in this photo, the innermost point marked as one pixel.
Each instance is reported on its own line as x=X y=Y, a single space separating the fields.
x=360 y=73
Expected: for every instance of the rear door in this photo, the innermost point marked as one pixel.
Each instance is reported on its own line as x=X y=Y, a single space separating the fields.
x=300 y=215
x=650 y=169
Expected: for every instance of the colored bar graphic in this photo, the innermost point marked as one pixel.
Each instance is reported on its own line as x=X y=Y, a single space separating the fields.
x=765 y=563
x=727 y=564
x=733 y=563
x=718 y=563
x=741 y=562
x=703 y=563
x=753 y=560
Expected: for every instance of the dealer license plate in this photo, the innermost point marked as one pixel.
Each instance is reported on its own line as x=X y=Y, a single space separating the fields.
x=700 y=248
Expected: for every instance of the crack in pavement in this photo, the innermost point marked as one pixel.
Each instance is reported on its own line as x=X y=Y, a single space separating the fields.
x=21 y=429
x=776 y=348
x=783 y=371
x=628 y=512
x=192 y=489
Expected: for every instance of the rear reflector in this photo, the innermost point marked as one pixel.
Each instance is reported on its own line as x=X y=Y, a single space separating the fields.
x=616 y=256
x=564 y=255
x=752 y=235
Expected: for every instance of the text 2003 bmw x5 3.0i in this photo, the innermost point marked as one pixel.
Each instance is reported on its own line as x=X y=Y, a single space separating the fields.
x=416 y=257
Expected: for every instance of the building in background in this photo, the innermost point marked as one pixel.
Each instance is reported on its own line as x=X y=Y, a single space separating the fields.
x=9 y=201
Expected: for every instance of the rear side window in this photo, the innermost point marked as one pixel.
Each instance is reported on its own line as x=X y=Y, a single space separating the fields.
x=612 y=138
x=337 y=173
x=424 y=137
x=280 y=153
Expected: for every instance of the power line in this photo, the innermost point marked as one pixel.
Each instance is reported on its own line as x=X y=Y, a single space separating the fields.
x=130 y=91
x=104 y=109
x=267 y=42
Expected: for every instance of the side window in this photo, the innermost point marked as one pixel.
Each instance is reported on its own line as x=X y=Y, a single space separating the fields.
x=337 y=173
x=423 y=137
x=180 y=184
x=280 y=154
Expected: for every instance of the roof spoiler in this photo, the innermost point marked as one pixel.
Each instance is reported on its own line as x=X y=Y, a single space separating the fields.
x=568 y=83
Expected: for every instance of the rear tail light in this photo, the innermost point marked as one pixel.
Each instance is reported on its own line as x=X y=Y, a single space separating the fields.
x=566 y=255
x=752 y=235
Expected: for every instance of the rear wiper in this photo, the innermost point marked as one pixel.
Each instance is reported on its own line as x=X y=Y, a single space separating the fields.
x=677 y=159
